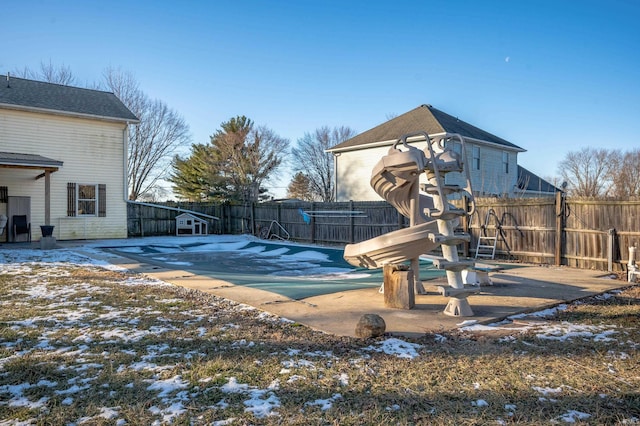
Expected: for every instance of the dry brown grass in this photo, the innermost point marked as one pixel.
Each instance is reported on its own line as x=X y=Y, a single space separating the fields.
x=102 y=341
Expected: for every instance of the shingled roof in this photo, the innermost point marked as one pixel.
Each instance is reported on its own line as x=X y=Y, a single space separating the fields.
x=23 y=94
x=27 y=160
x=529 y=181
x=424 y=118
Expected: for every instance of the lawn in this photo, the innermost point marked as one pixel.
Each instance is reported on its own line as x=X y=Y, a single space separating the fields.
x=82 y=342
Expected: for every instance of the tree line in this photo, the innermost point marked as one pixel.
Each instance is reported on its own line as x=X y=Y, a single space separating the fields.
x=235 y=166
x=602 y=172
x=242 y=158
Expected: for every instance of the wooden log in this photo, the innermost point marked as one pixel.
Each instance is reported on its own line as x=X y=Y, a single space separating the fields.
x=398 y=287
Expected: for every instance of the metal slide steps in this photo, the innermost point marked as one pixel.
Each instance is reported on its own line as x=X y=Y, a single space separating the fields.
x=486 y=247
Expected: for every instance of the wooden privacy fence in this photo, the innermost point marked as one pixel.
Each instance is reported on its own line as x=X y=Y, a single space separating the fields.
x=582 y=233
x=316 y=223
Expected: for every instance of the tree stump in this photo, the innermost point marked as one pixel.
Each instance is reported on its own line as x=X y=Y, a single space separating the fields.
x=399 y=292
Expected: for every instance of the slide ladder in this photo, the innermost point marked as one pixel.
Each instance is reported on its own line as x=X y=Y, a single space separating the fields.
x=443 y=161
x=486 y=247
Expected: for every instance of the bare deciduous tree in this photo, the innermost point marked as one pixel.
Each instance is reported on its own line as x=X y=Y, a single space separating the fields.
x=624 y=173
x=317 y=164
x=153 y=141
x=586 y=171
x=50 y=73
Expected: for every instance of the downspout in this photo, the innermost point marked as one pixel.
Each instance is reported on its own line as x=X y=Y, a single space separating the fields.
x=125 y=140
x=335 y=175
x=125 y=160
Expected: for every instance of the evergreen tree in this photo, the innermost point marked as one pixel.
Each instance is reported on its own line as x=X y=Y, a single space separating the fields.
x=196 y=178
x=234 y=166
x=299 y=187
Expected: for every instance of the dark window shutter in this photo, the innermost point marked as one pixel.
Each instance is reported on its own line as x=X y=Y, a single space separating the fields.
x=71 y=199
x=4 y=194
x=102 y=200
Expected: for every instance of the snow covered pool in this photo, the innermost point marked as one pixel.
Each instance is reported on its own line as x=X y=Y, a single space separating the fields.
x=293 y=270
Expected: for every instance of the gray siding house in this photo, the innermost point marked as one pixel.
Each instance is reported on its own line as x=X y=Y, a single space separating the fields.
x=491 y=160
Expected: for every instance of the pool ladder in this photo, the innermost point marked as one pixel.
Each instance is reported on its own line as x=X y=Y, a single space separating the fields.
x=274 y=231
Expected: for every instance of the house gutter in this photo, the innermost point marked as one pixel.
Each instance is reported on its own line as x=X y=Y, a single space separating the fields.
x=125 y=161
x=67 y=113
x=379 y=144
x=359 y=147
x=495 y=145
x=391 y=142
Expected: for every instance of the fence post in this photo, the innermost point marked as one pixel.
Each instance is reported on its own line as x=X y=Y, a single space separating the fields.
x=611 y=233
x=559 y=249
x=253 y=218
x=141 y=220
x=279 y=217
x=227 y=218
x=313 y=224
x=351 y=222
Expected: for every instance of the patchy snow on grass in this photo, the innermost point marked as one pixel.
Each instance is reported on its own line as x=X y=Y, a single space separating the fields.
x=261 y=402
x=168 y=386
x=69 y=322
x=573 y=416
x=547 y=330
x=324 y=404
x=396 y=347
x=546 y=391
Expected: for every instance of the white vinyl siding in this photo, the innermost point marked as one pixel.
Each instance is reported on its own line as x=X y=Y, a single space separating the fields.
x=92 y=152
x=353 y=171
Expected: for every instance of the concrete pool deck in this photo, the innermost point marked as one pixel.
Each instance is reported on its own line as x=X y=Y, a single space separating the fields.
x=527 y=288
x=523 y=289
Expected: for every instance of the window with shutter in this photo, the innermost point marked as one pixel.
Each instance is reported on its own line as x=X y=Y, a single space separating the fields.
x=86 y=200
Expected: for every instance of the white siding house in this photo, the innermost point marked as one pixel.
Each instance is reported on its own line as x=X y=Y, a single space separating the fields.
x=63 y=153
x=492 y=161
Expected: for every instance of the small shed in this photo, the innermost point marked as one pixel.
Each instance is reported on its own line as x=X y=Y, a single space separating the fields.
x=188 y=224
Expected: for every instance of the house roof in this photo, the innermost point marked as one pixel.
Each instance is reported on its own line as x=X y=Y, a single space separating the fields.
x=23 y=94
x=12 y=159
x=424 y=118
x=528 y=181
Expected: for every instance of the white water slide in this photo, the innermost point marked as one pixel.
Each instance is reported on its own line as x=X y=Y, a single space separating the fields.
x=396 y=178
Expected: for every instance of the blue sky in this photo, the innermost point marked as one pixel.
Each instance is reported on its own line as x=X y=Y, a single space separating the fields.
x=551 y=76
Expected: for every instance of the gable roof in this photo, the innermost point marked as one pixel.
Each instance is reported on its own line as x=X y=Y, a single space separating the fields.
x=423 y=118
x=32 y=95
x=528 y=181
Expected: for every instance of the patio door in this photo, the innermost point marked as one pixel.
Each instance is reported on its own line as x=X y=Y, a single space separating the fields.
x=17 y=206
